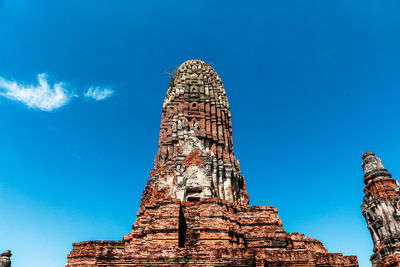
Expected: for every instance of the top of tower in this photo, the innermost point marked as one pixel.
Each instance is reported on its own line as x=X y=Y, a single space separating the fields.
x=367 y=154
x=5 y=258
x=373 y=167
x=193 y=62
x=196 y=80
x=6 y=253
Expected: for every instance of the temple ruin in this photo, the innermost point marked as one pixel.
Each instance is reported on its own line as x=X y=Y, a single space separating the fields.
x=195 y=208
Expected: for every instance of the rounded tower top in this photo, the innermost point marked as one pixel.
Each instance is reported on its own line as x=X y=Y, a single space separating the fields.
x=6 y=253
x=367 y=154
x=373 y=167
x=196 y=80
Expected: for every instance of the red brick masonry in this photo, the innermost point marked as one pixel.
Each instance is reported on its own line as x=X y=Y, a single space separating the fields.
x=210 y=232
x=195 y=207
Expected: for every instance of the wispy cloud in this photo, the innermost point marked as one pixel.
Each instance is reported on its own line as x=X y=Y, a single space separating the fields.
x=45 y=96
x=98 y=93
x=42 y=96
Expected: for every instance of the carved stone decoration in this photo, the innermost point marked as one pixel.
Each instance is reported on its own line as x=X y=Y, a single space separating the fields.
x=381 y=211
x=5 y=260
x=195 y=208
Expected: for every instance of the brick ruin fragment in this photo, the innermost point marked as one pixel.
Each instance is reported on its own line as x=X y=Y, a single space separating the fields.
x=195 y=208
x=5 y=259
x=381 y=211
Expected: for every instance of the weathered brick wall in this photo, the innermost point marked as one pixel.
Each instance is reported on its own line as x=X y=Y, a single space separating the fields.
x=216 y=233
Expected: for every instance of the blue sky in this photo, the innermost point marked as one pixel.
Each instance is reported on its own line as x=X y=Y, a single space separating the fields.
x=311 y=84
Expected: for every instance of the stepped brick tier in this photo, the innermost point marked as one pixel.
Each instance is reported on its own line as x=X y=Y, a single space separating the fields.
x=195 y=207
x=381 y=209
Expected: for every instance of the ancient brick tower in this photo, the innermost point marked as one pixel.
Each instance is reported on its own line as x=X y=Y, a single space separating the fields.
x=194 y=210
x=381 y=211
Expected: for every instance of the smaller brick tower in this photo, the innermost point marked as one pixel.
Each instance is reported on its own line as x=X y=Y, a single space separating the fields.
x=381 y=211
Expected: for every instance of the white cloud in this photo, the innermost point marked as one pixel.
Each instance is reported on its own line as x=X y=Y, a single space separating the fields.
x=42 y=96
x=98 y=93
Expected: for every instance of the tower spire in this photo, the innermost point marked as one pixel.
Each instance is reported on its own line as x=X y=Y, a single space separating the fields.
x=381 y=211
x=195 y=152
x=373 y=167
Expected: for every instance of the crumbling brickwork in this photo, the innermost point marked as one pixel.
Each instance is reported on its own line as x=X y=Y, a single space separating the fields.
x=195 y=208
x=381 y=211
